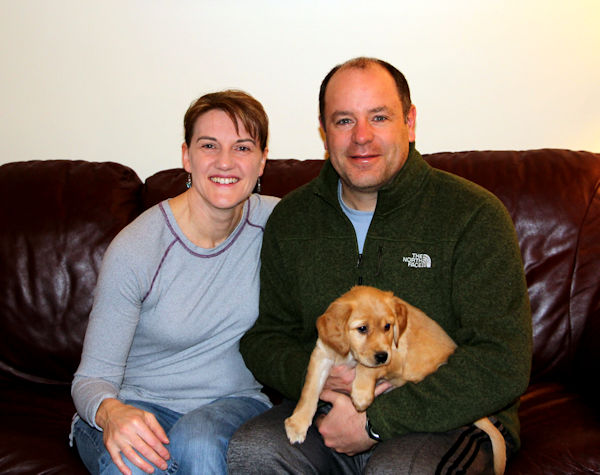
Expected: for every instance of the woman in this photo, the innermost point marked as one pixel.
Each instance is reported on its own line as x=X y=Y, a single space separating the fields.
x=161 y=385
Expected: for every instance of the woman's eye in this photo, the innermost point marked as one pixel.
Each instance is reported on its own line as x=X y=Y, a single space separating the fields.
x=243 y=148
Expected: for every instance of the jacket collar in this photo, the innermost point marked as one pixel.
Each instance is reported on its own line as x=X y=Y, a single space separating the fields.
x=391 y=196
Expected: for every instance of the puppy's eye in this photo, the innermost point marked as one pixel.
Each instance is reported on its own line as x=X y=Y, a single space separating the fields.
x=387 y=327
x=362 y=329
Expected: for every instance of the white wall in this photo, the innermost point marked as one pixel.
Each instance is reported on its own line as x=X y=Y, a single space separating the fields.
x=111 y=79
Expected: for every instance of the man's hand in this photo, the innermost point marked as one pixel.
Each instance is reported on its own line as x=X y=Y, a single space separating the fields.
x=343 y=428
x=127 y=428
x=340 y=379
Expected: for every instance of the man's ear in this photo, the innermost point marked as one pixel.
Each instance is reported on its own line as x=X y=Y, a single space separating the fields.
x=411 y=122
x=322 y=133
x=333 y=327
x=401 y=313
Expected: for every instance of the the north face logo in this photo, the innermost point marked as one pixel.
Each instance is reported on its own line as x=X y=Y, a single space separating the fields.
x=418 y=260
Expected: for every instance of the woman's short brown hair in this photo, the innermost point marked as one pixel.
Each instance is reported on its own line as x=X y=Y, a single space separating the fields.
x=238 y=105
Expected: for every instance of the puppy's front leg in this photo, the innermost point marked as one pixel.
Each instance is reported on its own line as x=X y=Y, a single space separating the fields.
x=363 y=387
x=319 y=366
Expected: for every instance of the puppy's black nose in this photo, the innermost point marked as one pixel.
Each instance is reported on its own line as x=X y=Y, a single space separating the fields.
x=381 y=357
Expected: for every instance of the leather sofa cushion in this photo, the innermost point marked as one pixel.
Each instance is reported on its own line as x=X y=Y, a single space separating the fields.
x=57 y=219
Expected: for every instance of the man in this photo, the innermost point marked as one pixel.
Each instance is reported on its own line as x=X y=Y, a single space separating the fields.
x=379 y=215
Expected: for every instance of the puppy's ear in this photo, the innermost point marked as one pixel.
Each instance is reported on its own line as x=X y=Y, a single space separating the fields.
x=332 y=327
x=401 y=312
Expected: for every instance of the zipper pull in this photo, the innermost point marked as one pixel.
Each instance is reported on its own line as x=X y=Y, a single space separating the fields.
x=360 y=279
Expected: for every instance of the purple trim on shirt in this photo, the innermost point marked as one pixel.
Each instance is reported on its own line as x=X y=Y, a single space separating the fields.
x=248 y=219
x=177 y=239
x=206 y=256
x=158 y=269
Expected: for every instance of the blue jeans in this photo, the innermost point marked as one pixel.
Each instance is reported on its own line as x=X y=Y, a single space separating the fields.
x=198 y=439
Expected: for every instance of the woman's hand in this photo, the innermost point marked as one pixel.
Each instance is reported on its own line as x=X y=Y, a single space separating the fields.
x=127 y=428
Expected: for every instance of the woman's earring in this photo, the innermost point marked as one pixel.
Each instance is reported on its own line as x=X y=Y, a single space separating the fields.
x=188 y=182
x=258 y=186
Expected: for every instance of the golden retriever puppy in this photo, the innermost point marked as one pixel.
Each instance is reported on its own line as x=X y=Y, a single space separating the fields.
x=385 y=338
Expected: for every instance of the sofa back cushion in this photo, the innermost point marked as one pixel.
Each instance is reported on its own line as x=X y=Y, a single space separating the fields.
x=57 y=219
x=162 y=185
x=553 y=198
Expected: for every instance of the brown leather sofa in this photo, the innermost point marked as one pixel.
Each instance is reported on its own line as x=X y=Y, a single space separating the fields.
x=57 y=217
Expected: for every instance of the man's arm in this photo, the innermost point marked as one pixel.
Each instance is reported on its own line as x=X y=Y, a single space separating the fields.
x=490 y=368
x=273 y=348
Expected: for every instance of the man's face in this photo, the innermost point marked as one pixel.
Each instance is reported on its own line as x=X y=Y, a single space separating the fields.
x=367 y=135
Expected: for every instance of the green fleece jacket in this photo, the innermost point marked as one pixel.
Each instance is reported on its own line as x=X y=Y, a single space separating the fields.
x=443 y=244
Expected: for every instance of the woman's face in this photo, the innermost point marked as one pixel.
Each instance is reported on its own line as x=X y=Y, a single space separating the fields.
x=224 y=164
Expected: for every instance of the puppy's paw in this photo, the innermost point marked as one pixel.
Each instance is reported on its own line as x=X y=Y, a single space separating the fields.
x=296 y=429
x=361 y=401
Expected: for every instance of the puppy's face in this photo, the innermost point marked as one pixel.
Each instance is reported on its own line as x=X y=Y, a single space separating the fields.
x=365 y=321
x=371 y=328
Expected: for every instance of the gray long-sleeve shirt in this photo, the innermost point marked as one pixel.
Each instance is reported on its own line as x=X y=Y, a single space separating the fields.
x=168 y=315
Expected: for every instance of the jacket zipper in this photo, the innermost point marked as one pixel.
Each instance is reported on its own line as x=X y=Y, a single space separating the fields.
x=379 y=262
x=360 y=279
